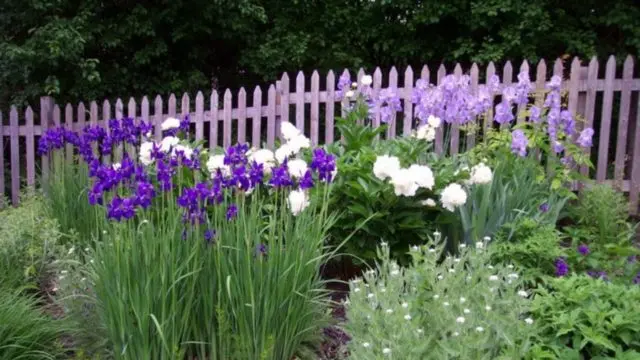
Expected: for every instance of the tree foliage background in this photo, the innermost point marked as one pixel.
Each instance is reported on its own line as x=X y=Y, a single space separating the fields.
x=94 y=49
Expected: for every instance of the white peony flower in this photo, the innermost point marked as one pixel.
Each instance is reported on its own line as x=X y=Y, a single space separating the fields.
x=366 y=80
x=146 y=148
x=283 y=152
x=349 y=94
x=481 y=174
x=422 y=175
x=429 y=202
x=288 y=130
x=403 y=183
x=298 y=201
x=170 y=123
x=168 y=142
x=385 y=166
x=297 y=168
x=215 y=163
x=298 y=143
x=264 y=157
x=434 y=121
x=452 y=196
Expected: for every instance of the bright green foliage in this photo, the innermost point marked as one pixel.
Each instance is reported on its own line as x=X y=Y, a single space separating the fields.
x=163 y=297
x=96 y=49
x=459 y=308
x=25 y=332
x=532 y=246
x=601 y=215
x=581 y=317
x=27 y=243
x=518 y=190
x=67 y=202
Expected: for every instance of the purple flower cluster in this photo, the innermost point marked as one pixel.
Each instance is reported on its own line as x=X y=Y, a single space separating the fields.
x=344 y=84
x=636 y=279
x=453 y=100
x=519 y=142
x=386 y=103
x=598 y=274
x=562 y=268
x=324 y=164
x=583 y=250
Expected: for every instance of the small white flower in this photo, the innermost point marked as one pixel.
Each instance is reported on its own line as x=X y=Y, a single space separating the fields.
x=389 y=311
x=83 y=279
x=414 y=248
x=493 y=278
x=523 y=293
x=366 y=80
x=509 y=281
x=510 y=266
x=436 y=233
x=384 y=244
x=479 y=329
x=420 y=331
x=434 y=121
x=72 y=250
x=349 y=94
x=512 y=276
x=446 y=303
x=385 y=166
x=92 y=261
x=490 y=267
x=170 y=123
x=386 y=351
x=456 y=333
x=116 y=166
x=456 y=260
x=63 y=272
x=492 y=289
x=61 y=278
x=479 y=245
x=488 y=308
x=395 y=272
x=453 y=196
x=288 y=130
x=432 y=250
x=298 y=201
x=216 y=163
x=440 y=277
x=429 y=202
x=370 y=295
x=480 y=174
x=528 y=321
x=383 y=290
x=436 y=296
x=354 y=84
x=407 y=317
x=168 y=143
x=460 y=320
x=366 y=345
x=405 y=305
x=297 y=168
x=462 y=300
x=487 y=238
x=356 y=290
x=462 y=246
x=86 y=249
x=425 y=132
x=452 y=270
x=466 y=311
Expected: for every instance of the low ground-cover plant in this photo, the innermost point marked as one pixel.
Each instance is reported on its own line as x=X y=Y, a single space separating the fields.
x=461 y=307
x=26 y=332
x=581 y=317
x=28 y=239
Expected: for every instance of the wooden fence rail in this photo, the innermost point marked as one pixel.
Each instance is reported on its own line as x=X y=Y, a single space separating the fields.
x=606 y=98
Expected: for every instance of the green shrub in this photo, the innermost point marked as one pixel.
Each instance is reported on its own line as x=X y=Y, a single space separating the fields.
x=460 y=308
x=25 y=332
x=601 y=215
x=581 y=317
x=27 y=243
x=532 y=246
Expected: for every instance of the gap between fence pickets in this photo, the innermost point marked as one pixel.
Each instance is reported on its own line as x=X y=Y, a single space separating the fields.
x=583 y=85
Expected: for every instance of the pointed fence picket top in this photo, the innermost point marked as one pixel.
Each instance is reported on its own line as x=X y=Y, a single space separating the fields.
x=158 y=117
x=442 y=72
x=81 y=116
x=623 y=123
x=46 y=120
x=144 y=109
x=590 y=106
x=271 y=117
x=488 y=117
x=14 y=138
x=425 y=74
x=29 y=144
x=329 y=112
x=256 y=122
x=285 y=101
x=521 y=116
x=226 y=118
x=474 y=74
x=185 y=105
x=541 y=77
x=242 y=115
x=393 y=84
x=213 y=124
x=314 y=113
x=344 y=105
x=199 y=118
x=605 y=125
x=407 y=123
x=68 y=124
x=558 y=68
x=300 y=84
